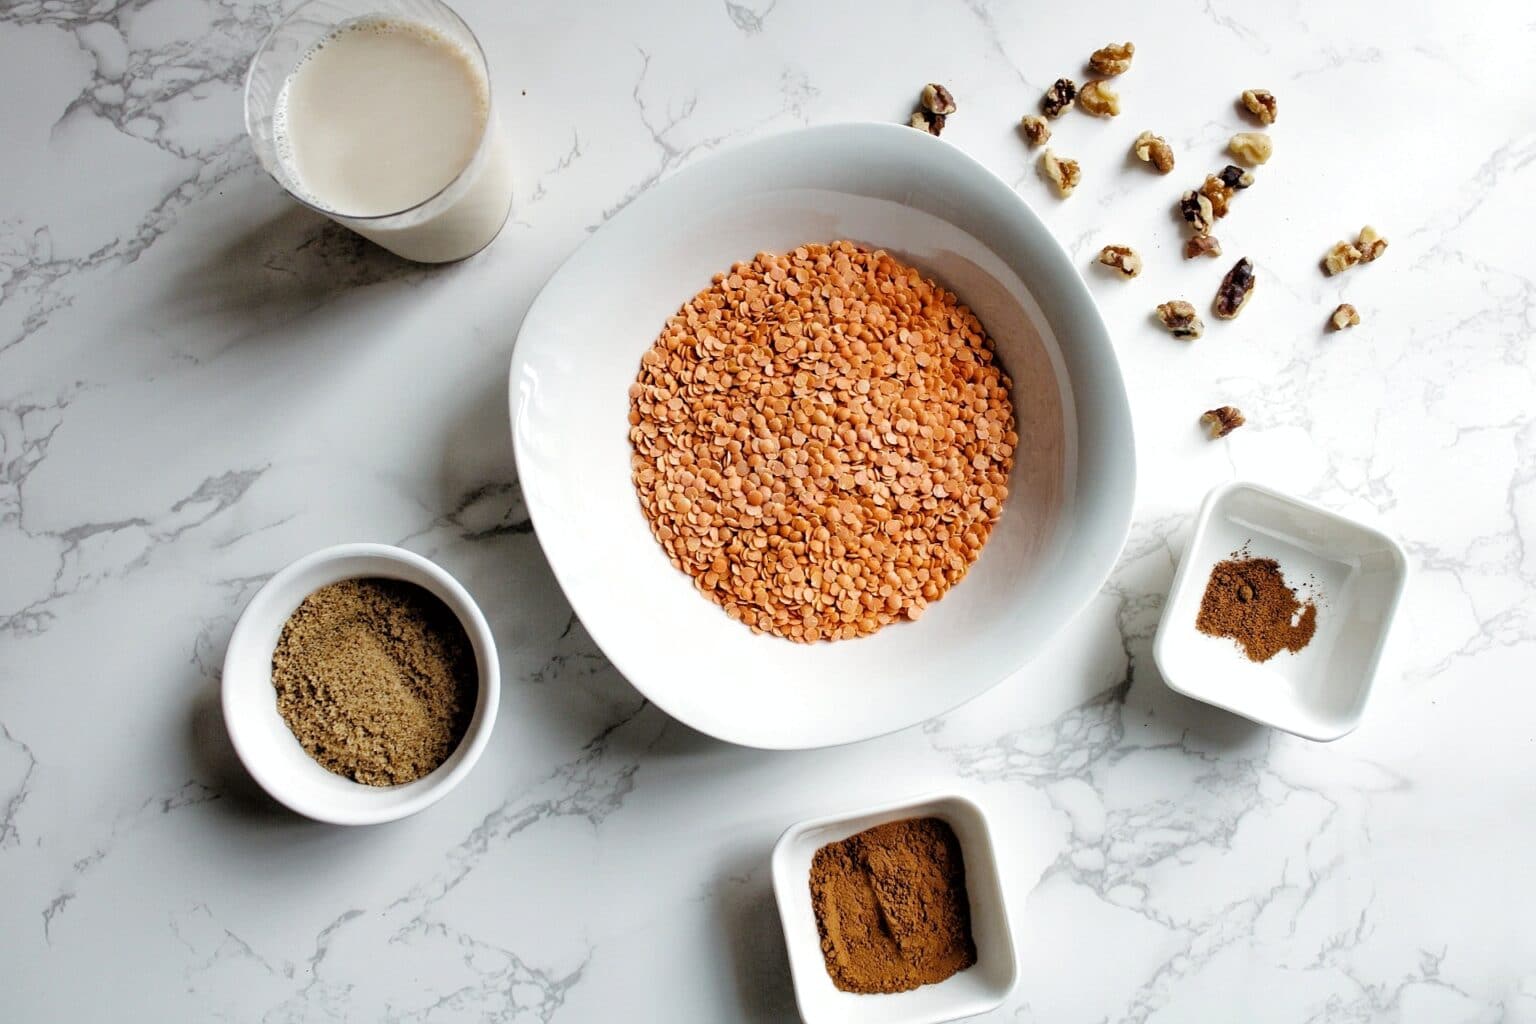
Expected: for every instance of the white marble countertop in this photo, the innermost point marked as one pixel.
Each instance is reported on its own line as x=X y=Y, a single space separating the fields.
x=200 y=381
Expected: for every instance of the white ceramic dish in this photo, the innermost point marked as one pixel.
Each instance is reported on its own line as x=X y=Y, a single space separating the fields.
x=927 y=202
x=263 y=741
x=977 y=989
x=1358 y=574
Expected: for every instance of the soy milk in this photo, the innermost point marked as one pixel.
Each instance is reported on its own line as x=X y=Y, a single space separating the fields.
x=381 y=125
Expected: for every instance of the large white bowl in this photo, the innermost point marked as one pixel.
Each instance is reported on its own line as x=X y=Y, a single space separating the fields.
x=931 y=205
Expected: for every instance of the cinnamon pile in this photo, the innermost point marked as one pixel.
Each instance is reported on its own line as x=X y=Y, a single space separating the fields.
x=1248 y=600
x=891 y=907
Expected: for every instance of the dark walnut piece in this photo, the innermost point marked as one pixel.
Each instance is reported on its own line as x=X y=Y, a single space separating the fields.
x=1197 y=213
x=1262 y=105
x=1235 y=177
x=938 y=100
x=1202 y=245
x=1113 y=59
x=1058 y=97
x=931 y=123
x=1181 y=319
x=1223 y=420
x=1235 y=291
x=1122 y=258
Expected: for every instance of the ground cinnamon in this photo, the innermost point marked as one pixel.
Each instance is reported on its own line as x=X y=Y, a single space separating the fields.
x=891 y=907
x=1248 y=600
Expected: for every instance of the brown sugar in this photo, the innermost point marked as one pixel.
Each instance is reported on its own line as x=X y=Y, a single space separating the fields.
x=376 y=678
x=1248 y=600
x=891 y=907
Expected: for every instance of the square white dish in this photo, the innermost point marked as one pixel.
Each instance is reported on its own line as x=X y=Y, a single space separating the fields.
x=1355 y=573
x=977 y=989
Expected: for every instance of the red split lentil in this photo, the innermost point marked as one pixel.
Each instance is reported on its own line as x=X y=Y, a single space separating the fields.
x=822 y=441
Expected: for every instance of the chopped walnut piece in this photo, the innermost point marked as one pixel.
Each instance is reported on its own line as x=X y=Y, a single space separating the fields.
x=1223 y=420
x=1202 y=245
x=1122 y=258
x=1113 y=59
x=1235 y=291
x=938 y=100
x=1098 y=99
x=1235 y=177
x=1345 y=316
x=1261 y=104
x=1154 y=149
x=1251 y=148
x=1036 y=130
x=1058 y=97
x=1196 y=211
x=1062 y=172
x=1370 y=244
x=1181 y=319
x=1218 y=193
x=1341 y=257
x=922 y=120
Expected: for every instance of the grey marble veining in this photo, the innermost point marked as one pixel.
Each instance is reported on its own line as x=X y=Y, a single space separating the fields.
x=200 y=381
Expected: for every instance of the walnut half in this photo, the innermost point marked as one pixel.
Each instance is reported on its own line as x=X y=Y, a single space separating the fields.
x=1122 y=258
x=1235 y=291
x=1181 y=319
x=1251 y=148
x=1098 y=99
x=1154 y=149
x=1223 y=420
x=1113 y=59
x=938 y=100
x=1262 y=105
x=1062 y=172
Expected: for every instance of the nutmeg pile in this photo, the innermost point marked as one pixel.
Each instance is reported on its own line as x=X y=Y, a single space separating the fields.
x=822 y=441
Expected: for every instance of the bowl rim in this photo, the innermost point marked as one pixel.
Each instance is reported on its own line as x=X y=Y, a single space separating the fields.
x=958 y=796
x=483 y=719
x=1077 y=292
x=1182 y=577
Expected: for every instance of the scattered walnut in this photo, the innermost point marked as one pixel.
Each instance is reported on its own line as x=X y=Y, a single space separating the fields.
x=1370 y=244
x=922 y=120
x=1235 y=177
x=1251 y=148
x=1202 y=245
x=1098 y=99
x=938 y=100
x=1181 y=319
x=1196 y=211
x=1345 y=316
x=1061 y=172
x=1218 y=193
x=1261 y=103
x=1154 y=149
x=1223 y=420
x=1341 y=257
x=1122 y=258
x=1058 y=97
x=1235 y=291
x=1036 y=130
x=1113 y=59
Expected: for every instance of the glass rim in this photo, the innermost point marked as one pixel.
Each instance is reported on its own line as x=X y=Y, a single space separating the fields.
x=485 y=129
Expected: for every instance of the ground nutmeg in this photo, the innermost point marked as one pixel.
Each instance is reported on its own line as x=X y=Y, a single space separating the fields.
x=891 y=907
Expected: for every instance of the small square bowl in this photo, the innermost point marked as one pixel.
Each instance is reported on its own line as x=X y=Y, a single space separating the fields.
x=981 y=987
x=1357 y=575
